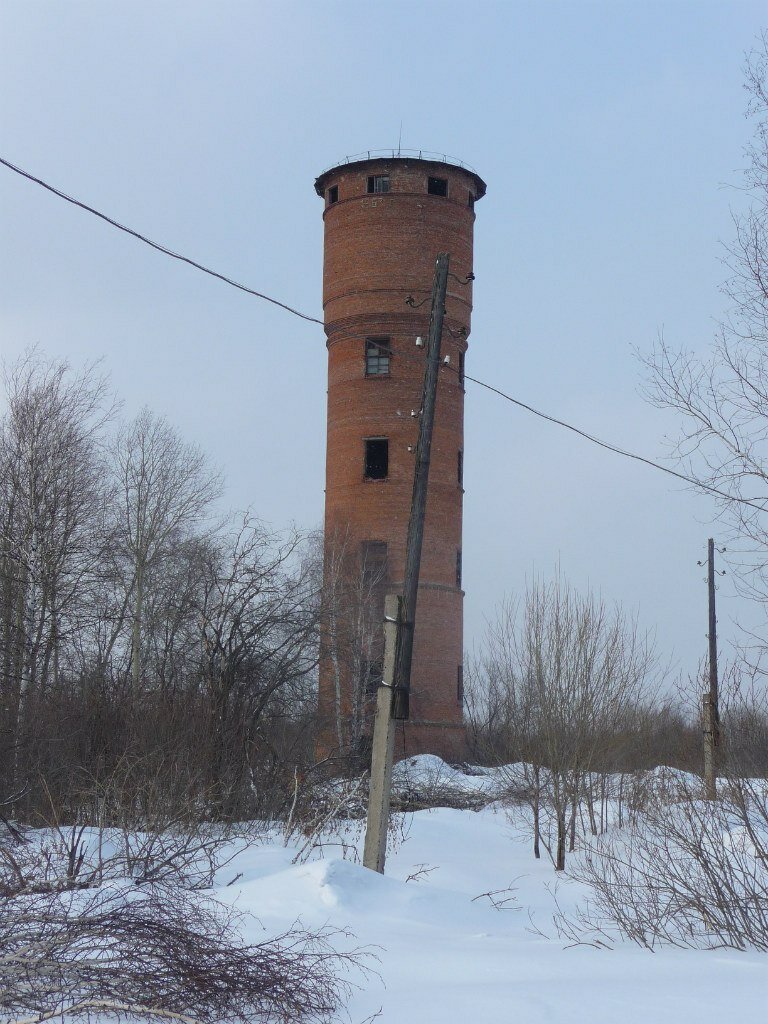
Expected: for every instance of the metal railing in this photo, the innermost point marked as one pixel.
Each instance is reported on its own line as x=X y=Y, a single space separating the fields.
x=394 y=153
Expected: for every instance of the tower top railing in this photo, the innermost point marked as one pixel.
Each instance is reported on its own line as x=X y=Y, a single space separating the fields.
x=398 y=153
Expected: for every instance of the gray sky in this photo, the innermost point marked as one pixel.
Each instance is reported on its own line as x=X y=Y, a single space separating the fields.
x=608 y=134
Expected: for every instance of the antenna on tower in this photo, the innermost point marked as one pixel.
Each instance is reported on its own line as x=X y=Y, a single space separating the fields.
x=399 y=138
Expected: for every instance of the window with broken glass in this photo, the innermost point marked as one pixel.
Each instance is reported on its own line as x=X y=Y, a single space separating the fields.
x=378 y=183
x=377 y=357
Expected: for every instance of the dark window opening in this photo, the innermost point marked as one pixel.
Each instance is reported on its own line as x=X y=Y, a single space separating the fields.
x=461 y=369
x=471 y=200
x=378 y=183
x=437 y=186
x=377 y=356
x=373 y=555
x=371 y=673
x=376 y=458
x=362 y=752
x=460 y=468
x=460 y=684
x=333 y=194
x=373 y=564
x=458 y=568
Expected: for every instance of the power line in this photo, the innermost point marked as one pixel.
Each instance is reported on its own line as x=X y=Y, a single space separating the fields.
x=611 y=447
x=481 y=383
x=156 y=245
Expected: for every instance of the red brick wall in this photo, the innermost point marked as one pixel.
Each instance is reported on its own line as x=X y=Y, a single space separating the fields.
x=379 y=249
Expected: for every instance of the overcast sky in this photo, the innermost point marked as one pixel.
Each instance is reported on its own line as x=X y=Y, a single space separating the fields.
x=610 y=135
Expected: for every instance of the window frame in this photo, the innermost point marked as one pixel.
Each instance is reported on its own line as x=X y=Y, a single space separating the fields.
x=439 y=183
x=374 y=555
x=374 y=180
x=333 y=195
x=383 y=344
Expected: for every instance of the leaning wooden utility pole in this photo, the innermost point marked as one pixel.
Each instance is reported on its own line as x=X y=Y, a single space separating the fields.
x=393 y=698
x=710 y=701
x=382 y=751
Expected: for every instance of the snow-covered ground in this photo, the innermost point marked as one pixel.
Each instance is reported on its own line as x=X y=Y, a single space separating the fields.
x=447 y=956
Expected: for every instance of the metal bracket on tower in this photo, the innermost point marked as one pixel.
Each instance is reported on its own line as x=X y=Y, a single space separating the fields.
x=410 y=301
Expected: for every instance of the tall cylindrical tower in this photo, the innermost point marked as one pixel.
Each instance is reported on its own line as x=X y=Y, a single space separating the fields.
x=386 y=220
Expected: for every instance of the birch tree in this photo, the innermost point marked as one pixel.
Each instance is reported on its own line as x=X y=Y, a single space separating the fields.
x=165 y=489
x=352 y=639
x=52 y=502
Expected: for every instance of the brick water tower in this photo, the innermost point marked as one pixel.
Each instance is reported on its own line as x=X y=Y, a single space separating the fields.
x=386 y=219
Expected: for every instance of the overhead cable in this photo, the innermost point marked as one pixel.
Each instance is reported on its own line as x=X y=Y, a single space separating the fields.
x=759 y=506
x=155 y=245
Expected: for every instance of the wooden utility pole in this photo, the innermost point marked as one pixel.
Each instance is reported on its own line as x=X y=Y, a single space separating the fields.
x=382 y=751
x=710 y=700
x=419 y=499
x=393 y=697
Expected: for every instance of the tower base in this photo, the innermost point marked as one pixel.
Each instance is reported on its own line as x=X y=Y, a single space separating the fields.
x=446 y=740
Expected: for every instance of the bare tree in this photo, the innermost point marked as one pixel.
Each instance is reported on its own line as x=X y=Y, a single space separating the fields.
x=158 y=953
x=684 y=872
x=102 y=922
x=52 y=502
x=565 y=673
x=721 y=399
x=132 y=625
x=165 y=488
x=258 y=638
x=687 y=871
x=352 y=640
